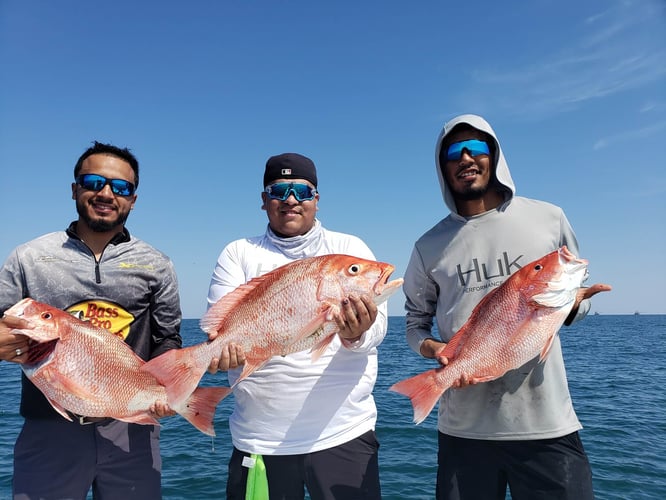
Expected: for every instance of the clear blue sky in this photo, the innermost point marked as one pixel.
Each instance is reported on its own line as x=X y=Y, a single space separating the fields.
x=204 y=92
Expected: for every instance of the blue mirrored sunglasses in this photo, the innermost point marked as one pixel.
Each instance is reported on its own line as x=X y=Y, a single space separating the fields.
x=474 y=147
x=282 y=190
x=94 y=182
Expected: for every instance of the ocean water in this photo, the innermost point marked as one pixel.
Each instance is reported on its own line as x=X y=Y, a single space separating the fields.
x=617 y=377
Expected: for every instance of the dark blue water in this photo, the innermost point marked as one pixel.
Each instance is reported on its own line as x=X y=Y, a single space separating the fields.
x=617 y=377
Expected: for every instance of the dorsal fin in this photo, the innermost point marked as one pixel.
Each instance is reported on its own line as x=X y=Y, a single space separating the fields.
x=214 y=317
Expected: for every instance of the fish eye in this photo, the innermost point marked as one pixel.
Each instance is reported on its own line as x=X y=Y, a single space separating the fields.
x=354 y=269
x=46 y=315
x=538 y=267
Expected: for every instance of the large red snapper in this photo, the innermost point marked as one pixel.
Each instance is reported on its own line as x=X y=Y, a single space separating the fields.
x=287 y=310
x=509 y=327
x=88 y=371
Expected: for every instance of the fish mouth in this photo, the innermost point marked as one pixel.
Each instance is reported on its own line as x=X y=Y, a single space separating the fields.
x=571 y=263
x=18 y=309
x=384 y=288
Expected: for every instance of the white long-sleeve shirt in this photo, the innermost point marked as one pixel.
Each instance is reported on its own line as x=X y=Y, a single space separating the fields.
x=293 y=405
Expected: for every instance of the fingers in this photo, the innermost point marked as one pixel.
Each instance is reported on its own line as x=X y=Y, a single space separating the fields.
x=160 y=409
x=357 y=314
x=431 y=348
x=464 y=381
x=214 y=365
x=14 y=322
x=443 y=360
x=590 y=291
x=14 y=348
x=232 y=356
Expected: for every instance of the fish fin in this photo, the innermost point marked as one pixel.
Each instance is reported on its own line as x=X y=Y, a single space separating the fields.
x=60 y=410
x=69 y=385
x=143 y=419
x=215 y=316
x=177 y=371
x=450 y=350
x=422 y=390
x=250 y=366
x=546 y=348
x=328 y=311
x=327 y=331
x=321 y=347
x=199 y=409
x=485 y=378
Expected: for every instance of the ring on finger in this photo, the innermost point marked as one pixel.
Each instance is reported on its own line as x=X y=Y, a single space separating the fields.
x=18 y=352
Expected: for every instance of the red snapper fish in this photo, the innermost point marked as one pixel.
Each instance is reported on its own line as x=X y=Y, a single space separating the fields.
x=287 y=310
x=88 y=371
x=510 y=326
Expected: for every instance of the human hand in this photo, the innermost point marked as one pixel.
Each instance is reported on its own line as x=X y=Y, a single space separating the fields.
x=584 y=293
x=13 y=347
x=232 y=356
x=160 y=409
x=431 y=348
x=356 y=316
x=589 y=291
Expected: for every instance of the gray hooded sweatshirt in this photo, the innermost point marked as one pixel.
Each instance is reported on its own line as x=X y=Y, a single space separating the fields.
x=452 y=267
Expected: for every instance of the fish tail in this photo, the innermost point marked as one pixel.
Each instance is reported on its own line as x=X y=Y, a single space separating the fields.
x=179 y=373
x=423 y=390
x=199 y=409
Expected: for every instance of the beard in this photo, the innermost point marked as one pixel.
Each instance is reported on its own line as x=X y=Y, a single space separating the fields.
x=476 y=193
x=471 y=193
x=100 y=225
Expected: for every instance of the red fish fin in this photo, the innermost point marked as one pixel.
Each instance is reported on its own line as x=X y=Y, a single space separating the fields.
x=485 y=378
x=199 y=409
x=321 y=323
x=212 y=320
x=327 y=331
x=450 y=350
x=143 y=419
x=60 y=409
x=177 y=371
x=68 y=385
x=249 y=367
x=422 y=390
x=546 y=348
x=321 y=347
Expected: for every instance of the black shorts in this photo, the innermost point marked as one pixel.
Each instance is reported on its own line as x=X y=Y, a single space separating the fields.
x=555 y=469
x=55 y=458
x=346 y=472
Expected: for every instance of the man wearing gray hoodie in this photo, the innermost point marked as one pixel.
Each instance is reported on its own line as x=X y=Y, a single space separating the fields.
x=521 y=429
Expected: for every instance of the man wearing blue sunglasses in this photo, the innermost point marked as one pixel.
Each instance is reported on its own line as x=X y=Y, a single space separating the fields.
x=96 y=270
x=332 y=447
x=521 y=429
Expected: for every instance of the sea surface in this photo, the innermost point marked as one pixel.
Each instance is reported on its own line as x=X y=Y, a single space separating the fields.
x=617 y=376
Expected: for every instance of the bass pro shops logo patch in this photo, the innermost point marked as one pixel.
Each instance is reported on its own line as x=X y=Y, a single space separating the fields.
x=105 y=315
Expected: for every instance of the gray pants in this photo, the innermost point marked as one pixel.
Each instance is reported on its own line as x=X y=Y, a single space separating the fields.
x=57 y=459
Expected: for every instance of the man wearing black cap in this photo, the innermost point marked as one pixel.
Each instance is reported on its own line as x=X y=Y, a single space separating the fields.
x=310 y=423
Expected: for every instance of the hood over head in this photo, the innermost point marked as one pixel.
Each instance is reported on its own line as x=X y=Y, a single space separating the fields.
x=501 y=168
